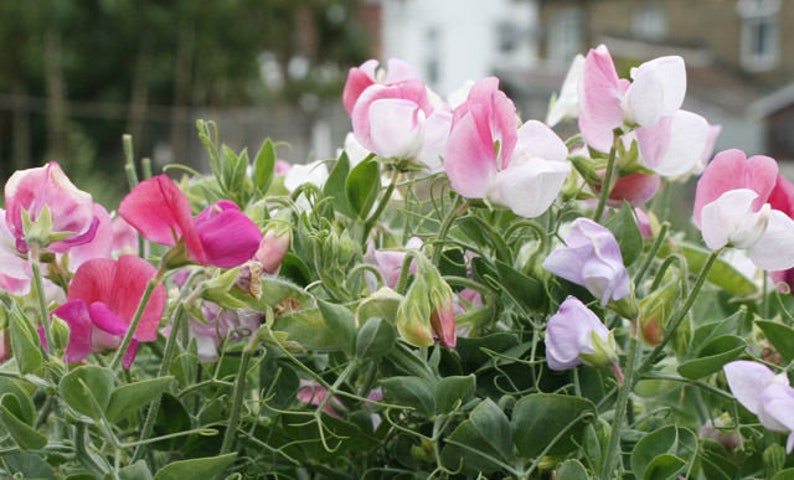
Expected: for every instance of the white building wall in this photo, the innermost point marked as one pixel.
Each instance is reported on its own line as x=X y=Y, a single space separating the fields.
x=452 y=41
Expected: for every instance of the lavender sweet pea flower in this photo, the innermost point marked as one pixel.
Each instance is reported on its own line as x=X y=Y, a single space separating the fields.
x=591 y=258
x=765 y=394
x=575 y=335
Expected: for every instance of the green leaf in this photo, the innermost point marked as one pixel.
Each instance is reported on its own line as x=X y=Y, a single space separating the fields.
x=24 y=409
x=362 y=187
x=209 y=467
x=24 y=342
x=137 y=471
x=23 y=434
x=572 y=470
x=413 y=392
x=664 y=467
x=87 y=390
x=264 y=167
x=335 y=186
x=787 y=474
x=484 y=441
x=670 y=443
x=493 y=425
x=308 y=328
x=780 y=336
x=375 y=338
x=127 y=399
x=341 y=321
x=525 y=290
x=171 y=418
x=713 y=356
x=29 y=466
x=451 y=392
x=539 y=419
x=624 y=227
x=278 y=381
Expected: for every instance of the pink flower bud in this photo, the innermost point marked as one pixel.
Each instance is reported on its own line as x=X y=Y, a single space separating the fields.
x=272 y=249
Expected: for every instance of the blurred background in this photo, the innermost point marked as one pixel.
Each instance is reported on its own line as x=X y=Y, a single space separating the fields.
x=77 y=74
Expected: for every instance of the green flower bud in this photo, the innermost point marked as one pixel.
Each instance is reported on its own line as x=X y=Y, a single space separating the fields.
x=774 y=459
x=655 y=311
x=60 y=335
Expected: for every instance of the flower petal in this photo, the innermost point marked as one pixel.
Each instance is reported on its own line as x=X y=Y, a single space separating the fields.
x=747 y=381
x=228 y=237
x=775 y=249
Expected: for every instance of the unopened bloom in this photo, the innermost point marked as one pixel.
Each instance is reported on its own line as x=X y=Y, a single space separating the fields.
x=273 y=248
x=221 y=235
x=102 y=300
x=427 y=309
x=575 y=335
x=732 y=209
x=591 y=258
x=765 y=394
x=47 y=187
x=489 y=157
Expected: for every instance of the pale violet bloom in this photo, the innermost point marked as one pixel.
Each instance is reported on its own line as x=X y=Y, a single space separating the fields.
x=591 y=258
x=567 y=104
x=575 y=335
x=765 y=394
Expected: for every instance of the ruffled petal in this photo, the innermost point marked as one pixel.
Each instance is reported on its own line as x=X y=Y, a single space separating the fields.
x=747 y=381
x=774 y=250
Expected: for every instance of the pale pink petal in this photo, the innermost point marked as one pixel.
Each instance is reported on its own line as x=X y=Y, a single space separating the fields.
x=534 y=139
x=730 y=220
x=396 y=128
x=99 y=247
x=600 y=96
x=358 y=79
x=469 y=159
x=15 y=271
x=676 y=145
x=658 y=90
x=747 y=381
x=567 y=104
x=730 y=170
x=530 y=187
x=436 y=132
x=568 y=334
x=399 y=71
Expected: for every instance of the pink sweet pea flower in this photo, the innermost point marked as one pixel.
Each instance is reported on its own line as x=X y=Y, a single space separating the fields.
x=636 y=188
x=575 y=335
x=678 y=145
x=370 y=73
x=489 y=157
x=398 y=121
x=765 y=394
x=608 y=102
x=273 y=248
x=782 y=198
x=72 y=210
x=591 y=258
x=221 y=235
x=567 y=104
x=732 y=209
x=102 y=301
x=16 y=274
x=390 y=262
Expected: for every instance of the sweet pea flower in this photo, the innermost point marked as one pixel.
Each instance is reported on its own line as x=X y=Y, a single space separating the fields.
x=765 y=394
x=102 y=301
x=16 y=274
x=575 y=335
x=679 y=145
x=273 y=248
x=390 y=262
x=489 y=157
x=782 y=198
x=567 y=104
x=398 y=121
x=591 y=258
x=732 y=209
x=607 y=102
x=221 y=235
x=71 y=209
x=370 y=73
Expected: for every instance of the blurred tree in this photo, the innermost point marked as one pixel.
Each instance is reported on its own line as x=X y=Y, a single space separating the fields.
x=76 y=74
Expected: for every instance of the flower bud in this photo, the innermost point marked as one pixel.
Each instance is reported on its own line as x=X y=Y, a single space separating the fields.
x=273 y=247
x=427 y=308
x=774 y=459
x=60 y=334
x=655 y=311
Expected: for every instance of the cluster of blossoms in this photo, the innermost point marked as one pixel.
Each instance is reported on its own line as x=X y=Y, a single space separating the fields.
x=415 y=237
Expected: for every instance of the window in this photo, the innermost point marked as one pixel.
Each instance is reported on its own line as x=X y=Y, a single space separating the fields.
x=760 y=33
x=565 y=35
x=648 y=21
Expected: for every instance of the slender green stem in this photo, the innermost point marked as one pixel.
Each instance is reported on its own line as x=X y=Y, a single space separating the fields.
x=384 y=201
x=136 y=319
x=237 y=396
x=657 y=245
x=129 y=164
x=38 y=282
x=454 y=212
x=180 y=315
x=606 y=185
x=680 y=315
x=613 y=447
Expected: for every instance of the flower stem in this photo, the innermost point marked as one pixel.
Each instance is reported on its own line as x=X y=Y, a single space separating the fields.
x=373 y=219
x=606 y=185
x=454 y=213
x=680 y=315
x=237 y=395
x=43 y=310
x=136 y=319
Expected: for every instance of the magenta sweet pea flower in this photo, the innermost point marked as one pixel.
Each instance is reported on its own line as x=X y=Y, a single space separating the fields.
x=221 y=235
x=370 y=73
x=765 y=394
x=102 y=301
x=591 y=258
x=72 y=210
x=489 y=157
x=575 y=335
x=732 y=209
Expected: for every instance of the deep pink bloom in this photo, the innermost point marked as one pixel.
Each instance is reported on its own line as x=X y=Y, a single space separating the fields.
x=221 y=235
x=591 y=258
x=636 y=188
x=72 y=209
x=101 y=246
x=370 y=73
x=102 y=301
x=569 y=336
x=489 y=157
